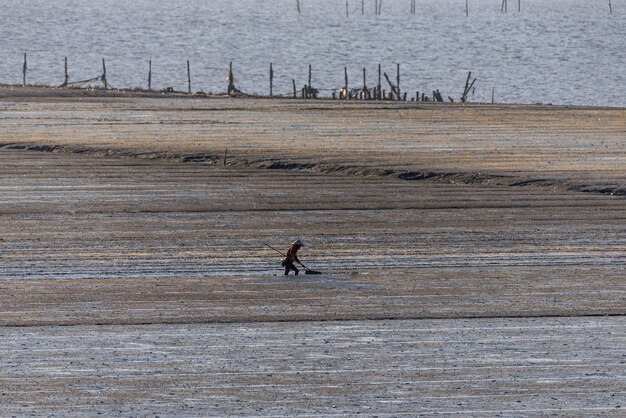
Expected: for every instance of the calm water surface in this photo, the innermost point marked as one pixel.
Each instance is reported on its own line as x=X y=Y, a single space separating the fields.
x=553 y=51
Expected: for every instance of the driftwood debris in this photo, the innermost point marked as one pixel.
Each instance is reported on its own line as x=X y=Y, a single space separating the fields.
x=394 y=90
x=468 y=87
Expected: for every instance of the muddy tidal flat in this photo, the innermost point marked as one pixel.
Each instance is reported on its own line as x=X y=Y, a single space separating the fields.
x=473 y=258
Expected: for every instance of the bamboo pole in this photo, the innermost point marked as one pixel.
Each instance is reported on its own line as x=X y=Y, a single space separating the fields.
x=298 y=6
x=149 y=75
x=379 y=85
x=271 y=81
x=610 y=8
x=231 y=79
x=309 y=85
x=67 y=76
x=24 y=69
x=104 y=75
x=189 y=76
x=398 y=81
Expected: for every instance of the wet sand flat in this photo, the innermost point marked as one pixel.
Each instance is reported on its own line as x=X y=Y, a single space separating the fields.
x=571 y=147
x=135 y=279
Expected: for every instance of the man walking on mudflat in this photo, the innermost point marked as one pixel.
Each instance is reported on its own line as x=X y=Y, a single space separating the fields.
x=292 y=257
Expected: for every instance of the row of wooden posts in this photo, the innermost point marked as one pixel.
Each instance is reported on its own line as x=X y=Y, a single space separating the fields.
x=378 y=7
x=306 y=92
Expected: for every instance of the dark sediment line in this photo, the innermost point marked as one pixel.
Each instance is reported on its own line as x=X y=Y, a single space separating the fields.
x=326 y=168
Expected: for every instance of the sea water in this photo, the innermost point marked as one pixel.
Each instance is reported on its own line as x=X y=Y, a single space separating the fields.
x=551 y=51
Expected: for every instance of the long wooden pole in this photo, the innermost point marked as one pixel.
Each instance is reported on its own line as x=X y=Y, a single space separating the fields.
x=398 y=81
x=24 y=68
x=189 y=76
x=271 y=80
x=298 y=6
x=379 y=85
x=347 y=9
x=466 y=7
x=610 y=7
x=310 y=76
x=104 y=74
x=67 y=76
x=150 y=75
x=231 y=78
x=345 y=74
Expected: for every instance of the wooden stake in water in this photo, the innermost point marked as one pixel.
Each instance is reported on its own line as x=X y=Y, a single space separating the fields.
x=610 y=8
x=347 y=10
x=493 y=95
x=362 y=7
x=345 y=74
x=466 y=7
x=294 y=88
x=398 y=81
x=271 y=80
x=231 y=79
x=310 y=76
x=104 y=75
x=380 y=7
x=298 y=6
x=189 y=77
x=364 y=82
x=149 y=75
x=67 y=76
x=24 y=68
x=379 y=85
x=519 y=5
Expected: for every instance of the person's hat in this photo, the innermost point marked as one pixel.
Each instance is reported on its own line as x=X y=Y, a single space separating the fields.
x=298 y=243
